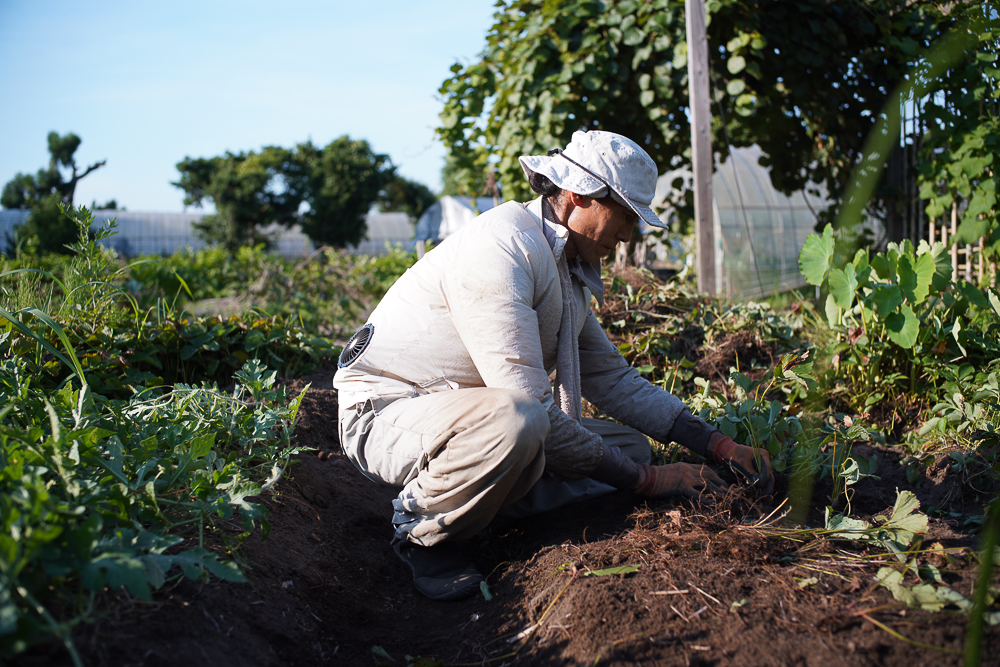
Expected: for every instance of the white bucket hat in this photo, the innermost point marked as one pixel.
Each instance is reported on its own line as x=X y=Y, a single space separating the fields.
x=597 y=162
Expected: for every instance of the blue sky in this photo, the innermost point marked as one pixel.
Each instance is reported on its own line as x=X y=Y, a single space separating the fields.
x=145 y=84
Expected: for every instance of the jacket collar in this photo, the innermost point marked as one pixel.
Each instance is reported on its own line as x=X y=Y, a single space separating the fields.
x=587 y=273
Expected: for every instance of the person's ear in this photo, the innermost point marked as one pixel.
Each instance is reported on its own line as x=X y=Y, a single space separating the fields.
x=578 y=200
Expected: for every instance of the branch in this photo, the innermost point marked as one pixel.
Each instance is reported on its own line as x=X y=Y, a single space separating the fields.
x=71 y=186
x=96 y=165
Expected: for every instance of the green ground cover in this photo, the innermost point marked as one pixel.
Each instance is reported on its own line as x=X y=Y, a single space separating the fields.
x=124 y=465
x=122 y=462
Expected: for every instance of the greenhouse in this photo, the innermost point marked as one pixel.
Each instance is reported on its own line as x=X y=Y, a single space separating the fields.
x=151 y=233
x=758 y=230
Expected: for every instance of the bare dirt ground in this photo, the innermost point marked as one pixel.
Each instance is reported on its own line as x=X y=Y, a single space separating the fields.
x=325 y=588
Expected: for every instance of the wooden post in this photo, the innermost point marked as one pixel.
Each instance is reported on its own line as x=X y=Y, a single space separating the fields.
x=701 y=143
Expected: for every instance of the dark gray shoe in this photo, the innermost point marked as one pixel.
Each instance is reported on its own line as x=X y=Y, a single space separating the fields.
x=441 y=572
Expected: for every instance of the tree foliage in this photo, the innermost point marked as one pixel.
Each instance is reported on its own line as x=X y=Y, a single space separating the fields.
x=405 y=196
x=341 y=183
x=803 y=80
x=249 y=192
x=48 y=229
x=337 y=183
x=961 y=149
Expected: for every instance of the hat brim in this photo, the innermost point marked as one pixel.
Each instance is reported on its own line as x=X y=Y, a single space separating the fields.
x=568 y=176
x=647 y=214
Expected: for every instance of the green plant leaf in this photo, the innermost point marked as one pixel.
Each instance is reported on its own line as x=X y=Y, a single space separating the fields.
x=815 y=256
x=942 y=265
x=923 y=596
x=902 y=327
x=883 y=267
x=956 y=330
x=994 y=301
x=886 y=299
x=845 y=527
x=833 y=311
x=201 y=445
x=843 y=284
x=624 y=569
x=741 y=380
x=973 y=294
x=862 y=269
x=904 y=524
x=915 y=277
x=74 y=363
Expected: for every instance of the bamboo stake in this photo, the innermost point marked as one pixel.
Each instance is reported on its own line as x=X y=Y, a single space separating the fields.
x=954 y=247
x=982 y=247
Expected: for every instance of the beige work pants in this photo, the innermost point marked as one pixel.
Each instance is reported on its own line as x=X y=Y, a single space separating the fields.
x=462 y=455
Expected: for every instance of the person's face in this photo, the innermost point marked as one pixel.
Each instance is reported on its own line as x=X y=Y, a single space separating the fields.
x=596 y=227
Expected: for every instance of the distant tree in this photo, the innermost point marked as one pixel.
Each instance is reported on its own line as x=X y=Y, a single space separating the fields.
x=401 y=195
x=47 y=229
x=110 y=205
x=249 y=191
x=24 y=190
x=338 y=184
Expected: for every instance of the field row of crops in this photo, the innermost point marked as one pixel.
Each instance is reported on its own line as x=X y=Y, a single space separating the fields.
x=135 y=435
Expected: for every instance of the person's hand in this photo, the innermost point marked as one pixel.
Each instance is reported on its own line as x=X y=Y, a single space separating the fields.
x=678 y=479
x=753 y=464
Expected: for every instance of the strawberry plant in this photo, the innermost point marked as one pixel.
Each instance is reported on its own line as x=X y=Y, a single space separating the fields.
x=804 y=452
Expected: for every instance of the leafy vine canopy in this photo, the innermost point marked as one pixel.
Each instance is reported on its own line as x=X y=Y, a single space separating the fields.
x=803 y=80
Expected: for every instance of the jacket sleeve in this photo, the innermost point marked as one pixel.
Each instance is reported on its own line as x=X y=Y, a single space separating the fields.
x=490 y=292
x=611 y=384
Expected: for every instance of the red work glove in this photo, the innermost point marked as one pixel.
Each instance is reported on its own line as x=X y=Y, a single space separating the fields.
x=754 y=464
x=678 y=479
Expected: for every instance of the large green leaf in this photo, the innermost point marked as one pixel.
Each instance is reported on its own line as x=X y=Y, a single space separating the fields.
x=814 y=259
x=973 y=294
x=833 y=311
x=886 y=299
x=994 y=301
x=915 y=277
x=942 y=265
x=880 y=265
x=905 y=516
x=843 y=284
x=902 y=327
x=862 y=269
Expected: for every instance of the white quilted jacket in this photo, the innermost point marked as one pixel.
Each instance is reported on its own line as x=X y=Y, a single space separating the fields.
x=483 y=309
